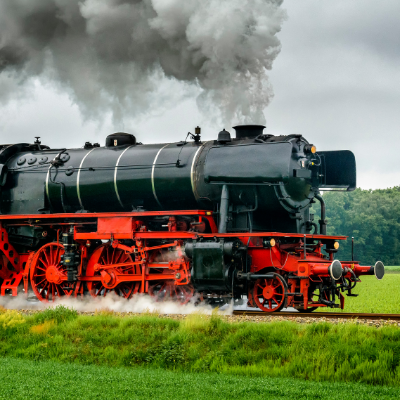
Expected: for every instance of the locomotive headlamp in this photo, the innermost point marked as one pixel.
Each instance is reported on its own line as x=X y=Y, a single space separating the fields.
x=332 y=246
x=310 y=148
x=269 y=242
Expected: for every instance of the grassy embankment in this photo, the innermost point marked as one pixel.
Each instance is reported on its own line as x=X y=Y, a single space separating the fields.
x=22 y=379
x=392 y=269
x=374 y=296
x=318 y=352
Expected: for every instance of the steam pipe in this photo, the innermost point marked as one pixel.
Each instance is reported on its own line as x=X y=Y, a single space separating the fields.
x=322 y=221
x=249 y=209
x=250 y=276
x=224 y=208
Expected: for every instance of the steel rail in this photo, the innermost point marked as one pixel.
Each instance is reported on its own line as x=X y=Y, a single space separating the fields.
x=340 y=315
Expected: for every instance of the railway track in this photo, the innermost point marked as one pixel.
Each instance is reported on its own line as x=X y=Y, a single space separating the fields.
x=341 y=315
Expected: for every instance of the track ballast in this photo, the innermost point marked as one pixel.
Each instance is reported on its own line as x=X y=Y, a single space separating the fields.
x=341 y=315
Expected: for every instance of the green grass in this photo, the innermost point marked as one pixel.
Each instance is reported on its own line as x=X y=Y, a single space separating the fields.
x=392 y=269
x=374 y=296
x=318 y=352
x=22 y=379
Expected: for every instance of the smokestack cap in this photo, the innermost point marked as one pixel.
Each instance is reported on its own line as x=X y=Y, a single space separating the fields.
x=224 y=137
x=120 y=139
x=248 y=131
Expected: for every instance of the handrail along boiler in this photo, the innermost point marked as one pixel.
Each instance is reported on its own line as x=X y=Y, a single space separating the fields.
x=212 y=221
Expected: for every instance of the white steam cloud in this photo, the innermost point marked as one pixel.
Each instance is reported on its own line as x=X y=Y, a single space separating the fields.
x=135 y=57
x=137 y=304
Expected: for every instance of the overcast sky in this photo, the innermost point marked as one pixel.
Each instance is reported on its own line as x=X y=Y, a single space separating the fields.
x=336 y=81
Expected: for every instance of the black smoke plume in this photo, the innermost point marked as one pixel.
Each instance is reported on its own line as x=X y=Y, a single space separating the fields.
x=129 y=57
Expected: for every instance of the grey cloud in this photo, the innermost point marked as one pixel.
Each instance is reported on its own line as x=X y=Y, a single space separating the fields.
x=337 y=81
x=369 y=25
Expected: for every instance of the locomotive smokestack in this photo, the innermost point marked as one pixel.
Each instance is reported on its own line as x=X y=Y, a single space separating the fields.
x=248 y=131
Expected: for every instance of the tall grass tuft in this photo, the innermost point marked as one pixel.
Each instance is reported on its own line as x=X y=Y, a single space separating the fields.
x=58 y=314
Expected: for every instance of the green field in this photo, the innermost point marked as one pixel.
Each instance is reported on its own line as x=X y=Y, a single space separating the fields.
x=374 y=296
x=199 y=343
x=392 y=269
x=22 y=379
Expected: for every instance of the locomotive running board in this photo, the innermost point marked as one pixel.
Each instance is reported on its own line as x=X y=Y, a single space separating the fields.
x=37 y=218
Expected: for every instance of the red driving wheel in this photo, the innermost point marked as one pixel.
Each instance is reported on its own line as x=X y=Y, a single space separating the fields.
x=270 y=294
x=48 y=276
x=108 y=255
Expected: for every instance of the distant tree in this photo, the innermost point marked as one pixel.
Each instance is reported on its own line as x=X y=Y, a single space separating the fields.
x=372 y=217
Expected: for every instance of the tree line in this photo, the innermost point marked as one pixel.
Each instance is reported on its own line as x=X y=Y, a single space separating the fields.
x=372 y=217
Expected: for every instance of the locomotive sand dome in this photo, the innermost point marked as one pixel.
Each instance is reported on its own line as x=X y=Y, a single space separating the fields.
x=159 y=206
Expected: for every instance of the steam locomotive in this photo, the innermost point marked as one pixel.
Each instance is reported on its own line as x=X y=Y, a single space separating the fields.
x=211 y=221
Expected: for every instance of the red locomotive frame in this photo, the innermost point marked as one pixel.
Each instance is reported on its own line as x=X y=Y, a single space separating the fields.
x=142 y=268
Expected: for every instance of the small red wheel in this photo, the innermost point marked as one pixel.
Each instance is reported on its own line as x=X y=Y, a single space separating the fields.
x=108 y=255
x=270 y=294
x=167 y=290
x=48 y=276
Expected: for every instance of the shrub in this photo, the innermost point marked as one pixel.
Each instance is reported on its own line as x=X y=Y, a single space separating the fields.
x=11 y=319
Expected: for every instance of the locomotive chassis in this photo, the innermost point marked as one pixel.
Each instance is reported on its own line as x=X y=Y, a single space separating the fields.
x=301 y=276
